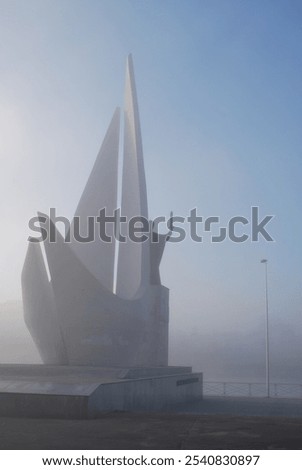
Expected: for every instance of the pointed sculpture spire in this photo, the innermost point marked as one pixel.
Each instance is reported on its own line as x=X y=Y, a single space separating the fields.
x=100 y=192
x=133 y=260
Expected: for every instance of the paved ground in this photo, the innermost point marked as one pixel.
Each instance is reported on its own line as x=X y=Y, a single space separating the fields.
x=224 y=427
x=245 y=406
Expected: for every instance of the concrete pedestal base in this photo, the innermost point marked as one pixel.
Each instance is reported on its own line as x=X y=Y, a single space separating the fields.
x=85 y=392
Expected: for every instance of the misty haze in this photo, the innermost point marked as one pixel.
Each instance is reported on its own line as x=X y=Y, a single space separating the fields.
x=220 y=108
x=222 y=351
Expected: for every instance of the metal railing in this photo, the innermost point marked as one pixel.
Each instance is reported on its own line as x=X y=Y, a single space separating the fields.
x=252 y=389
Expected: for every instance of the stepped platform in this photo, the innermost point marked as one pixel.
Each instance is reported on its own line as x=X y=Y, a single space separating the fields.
x=78 y=392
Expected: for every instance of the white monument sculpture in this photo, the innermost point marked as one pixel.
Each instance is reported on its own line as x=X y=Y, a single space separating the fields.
x=77 y=317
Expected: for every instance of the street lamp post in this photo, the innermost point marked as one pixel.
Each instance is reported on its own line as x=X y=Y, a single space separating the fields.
x=265 y=261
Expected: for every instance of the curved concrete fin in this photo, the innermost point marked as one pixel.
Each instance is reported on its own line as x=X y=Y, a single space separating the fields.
x=68 y=273
x=133 y=260
x=94 y=321
x=39 y=308
x=73 y=284
x=100 y=192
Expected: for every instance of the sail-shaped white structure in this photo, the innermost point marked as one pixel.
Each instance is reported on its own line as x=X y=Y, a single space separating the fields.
x=133 y=257
x=76 y=318
x=100 y=192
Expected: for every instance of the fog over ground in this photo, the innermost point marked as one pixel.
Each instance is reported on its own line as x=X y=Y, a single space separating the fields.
x=219 y=89
x=225 y=355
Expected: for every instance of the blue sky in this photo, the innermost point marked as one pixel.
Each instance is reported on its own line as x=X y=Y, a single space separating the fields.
x=219 y=89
